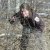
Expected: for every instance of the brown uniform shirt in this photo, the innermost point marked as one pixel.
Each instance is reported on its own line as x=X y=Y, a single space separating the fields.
x=34 y=21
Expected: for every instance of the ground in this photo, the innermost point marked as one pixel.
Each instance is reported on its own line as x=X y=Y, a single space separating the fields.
x=12 y=42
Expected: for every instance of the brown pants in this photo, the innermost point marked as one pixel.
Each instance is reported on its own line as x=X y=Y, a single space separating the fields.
x=27 y=37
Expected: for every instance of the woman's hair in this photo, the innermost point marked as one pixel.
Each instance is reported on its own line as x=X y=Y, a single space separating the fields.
x=25 y=6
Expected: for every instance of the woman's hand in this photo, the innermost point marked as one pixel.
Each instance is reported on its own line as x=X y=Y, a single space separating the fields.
x=12 y=19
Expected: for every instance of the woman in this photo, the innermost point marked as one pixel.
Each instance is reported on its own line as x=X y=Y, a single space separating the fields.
x=31 y=22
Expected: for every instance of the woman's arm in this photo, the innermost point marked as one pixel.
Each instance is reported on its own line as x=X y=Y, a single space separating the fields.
x=13 y=19
x=38 y=22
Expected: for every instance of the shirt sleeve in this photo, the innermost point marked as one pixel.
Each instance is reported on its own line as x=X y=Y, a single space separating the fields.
x=40 y=24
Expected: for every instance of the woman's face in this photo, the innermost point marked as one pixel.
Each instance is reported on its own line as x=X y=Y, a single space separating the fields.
x=25 y=12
